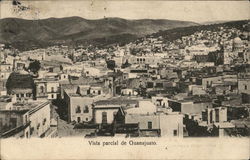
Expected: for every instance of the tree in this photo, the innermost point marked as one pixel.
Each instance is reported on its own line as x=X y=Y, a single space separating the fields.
x=34 y=66
x=142 y=91
x=110 y=64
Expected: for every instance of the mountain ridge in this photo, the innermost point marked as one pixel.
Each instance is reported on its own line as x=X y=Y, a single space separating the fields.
x=15 y=30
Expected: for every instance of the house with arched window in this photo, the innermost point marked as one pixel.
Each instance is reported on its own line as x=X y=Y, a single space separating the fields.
x=80 y=99
x=104 y=111
x=46 y=88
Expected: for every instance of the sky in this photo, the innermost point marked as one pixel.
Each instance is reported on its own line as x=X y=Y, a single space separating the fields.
x=196 y=11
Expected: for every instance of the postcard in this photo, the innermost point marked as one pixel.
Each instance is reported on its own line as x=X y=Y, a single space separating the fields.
x=124 y=79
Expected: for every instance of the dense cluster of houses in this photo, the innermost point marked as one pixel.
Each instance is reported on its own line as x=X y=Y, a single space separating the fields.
x=145 y=88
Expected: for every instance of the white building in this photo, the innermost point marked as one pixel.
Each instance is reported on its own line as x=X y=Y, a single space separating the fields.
x=214 y=115
x=39 y=117
x=153 y=121
x=29 y=119
x=104 y=111
x=80 y=101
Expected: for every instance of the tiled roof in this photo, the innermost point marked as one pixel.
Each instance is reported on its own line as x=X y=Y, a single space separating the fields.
x=20 y=81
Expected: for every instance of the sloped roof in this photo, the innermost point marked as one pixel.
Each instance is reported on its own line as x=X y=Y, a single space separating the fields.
x=19 y=81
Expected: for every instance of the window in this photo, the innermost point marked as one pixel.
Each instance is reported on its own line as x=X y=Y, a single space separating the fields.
x=86 y=109
x=17 y=95
x=231 y=88
x=26 y=119
x=44 y=121
x=114 y=115
x=78 y=109
x=1 y=122
x=104 y=117
x=150 y=84
x=31 y=130
x=99 y=92
x=22 y=95
x=41 y=89
x=245 y=87
x=204 y=116
x=78 y=119
x=87 y=119
x=217 y=115
x=38 y=126
x=52 y=96
x=149 y=125
x=211 y=117
x=52 y=89
x=175 y=132
x=159 y=85
x=164 y=105
x=13 y=122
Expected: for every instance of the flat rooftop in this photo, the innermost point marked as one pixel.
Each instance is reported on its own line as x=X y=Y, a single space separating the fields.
x=117 y=101
x=22 y=106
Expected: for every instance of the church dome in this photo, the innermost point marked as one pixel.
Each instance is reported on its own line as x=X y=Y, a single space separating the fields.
x=237 y=40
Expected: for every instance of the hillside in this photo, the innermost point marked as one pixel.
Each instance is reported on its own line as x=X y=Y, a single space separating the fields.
x=71 y=29
x=177 y=33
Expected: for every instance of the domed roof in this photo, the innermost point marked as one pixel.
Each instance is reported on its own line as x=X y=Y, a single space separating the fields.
x=237 y=40
x=19 y=81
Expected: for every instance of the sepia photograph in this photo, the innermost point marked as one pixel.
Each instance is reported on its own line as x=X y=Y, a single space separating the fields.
x=124 y=77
